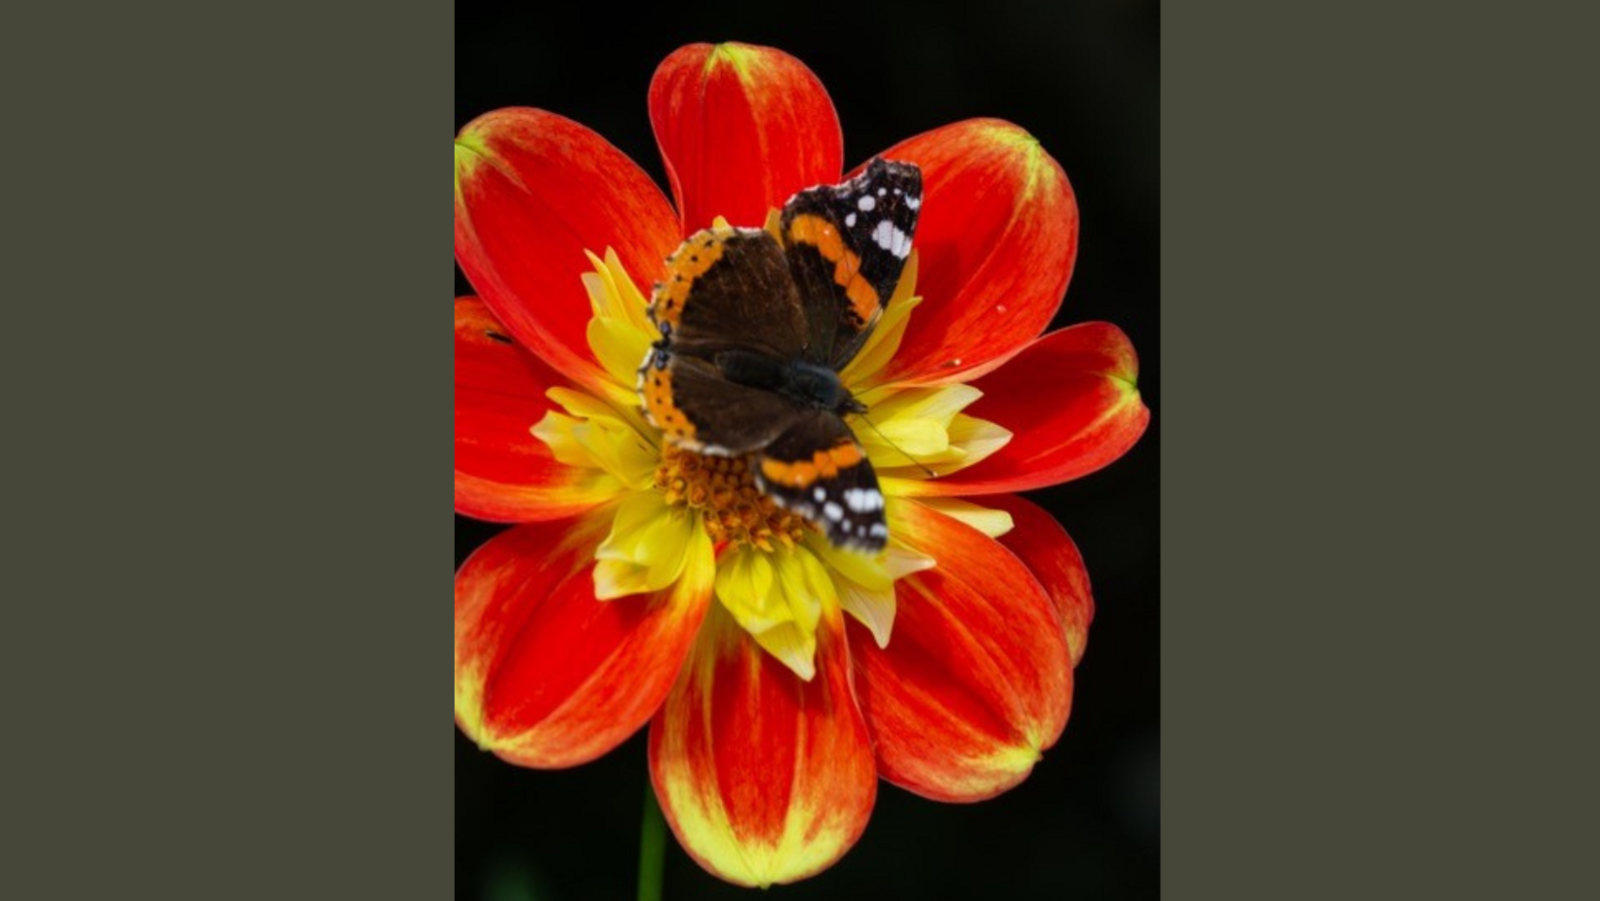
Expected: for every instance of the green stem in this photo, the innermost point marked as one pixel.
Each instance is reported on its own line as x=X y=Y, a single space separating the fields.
x=652 y=846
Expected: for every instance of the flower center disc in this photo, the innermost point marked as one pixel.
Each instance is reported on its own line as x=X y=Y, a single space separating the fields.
x=723 y=490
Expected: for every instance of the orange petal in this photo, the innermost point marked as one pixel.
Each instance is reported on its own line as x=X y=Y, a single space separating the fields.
x=741 y=128
x=1050 y=554
x=764 y=778
x=976 y=681
x=503 y=473
x=996 y=243
x=533 y=192
x=1072 y=405
x=546 y=675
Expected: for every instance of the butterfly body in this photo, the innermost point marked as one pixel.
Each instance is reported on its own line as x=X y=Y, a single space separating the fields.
x=755 y=331
x=807 y=384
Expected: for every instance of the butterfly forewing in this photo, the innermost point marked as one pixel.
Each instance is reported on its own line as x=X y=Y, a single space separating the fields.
x=730 y=289
x=847 y=246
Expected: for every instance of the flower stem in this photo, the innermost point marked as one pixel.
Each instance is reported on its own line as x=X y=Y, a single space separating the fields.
x=652 y=846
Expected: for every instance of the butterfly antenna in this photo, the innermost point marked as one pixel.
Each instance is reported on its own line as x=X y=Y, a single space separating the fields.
x=920 y=465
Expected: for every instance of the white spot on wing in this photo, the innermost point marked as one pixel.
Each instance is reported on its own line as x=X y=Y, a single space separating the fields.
x=892 y=239
x=833 y=511
x=850 y=221
x=914 y=202
x=863 y=500
x=867 y=203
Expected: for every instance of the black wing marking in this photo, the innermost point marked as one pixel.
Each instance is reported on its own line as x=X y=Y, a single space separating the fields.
x=847 y=246
x=817 y=468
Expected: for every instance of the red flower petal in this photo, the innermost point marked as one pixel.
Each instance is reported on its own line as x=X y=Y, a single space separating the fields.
x=764 y=778
x=547 y=676
x=533 y=192
x=1071 y=402
x=995 y=243
x=503 y=473
x=1050 y=554
x=976 y=681
x=741 y=129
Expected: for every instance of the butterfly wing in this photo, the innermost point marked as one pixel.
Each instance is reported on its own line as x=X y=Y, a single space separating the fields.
x=817 y=468
x=729 y=289
x=699 y=410
x=847 y=246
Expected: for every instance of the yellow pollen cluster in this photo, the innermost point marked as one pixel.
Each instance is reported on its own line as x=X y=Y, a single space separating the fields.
x=724 y=490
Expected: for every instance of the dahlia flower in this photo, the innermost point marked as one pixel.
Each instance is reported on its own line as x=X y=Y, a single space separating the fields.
x=780 y=676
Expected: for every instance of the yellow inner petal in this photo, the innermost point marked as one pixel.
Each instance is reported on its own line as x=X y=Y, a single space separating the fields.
x=993 y=523
x=619 y=333
x=777 y=597
x=597 y=436
x=612 y=293
x=865 y=584
x=647 y=548
x=918 y=430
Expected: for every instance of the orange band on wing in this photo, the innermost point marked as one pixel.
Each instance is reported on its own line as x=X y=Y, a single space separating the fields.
x=824 y=464
x=691 y=261
x=820 y=233
x=656 y=386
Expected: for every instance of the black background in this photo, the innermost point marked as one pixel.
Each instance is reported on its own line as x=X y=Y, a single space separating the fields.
x=1083 y=78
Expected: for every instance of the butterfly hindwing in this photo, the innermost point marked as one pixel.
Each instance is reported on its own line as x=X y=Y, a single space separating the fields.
x=697 y=409
x=847 y=246
x=817 y=468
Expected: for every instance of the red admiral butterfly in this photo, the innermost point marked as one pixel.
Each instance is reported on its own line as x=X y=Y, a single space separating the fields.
x=754 y=333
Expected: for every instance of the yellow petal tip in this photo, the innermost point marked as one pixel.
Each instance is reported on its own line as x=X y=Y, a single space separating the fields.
x=471 y=152
x=733 y=54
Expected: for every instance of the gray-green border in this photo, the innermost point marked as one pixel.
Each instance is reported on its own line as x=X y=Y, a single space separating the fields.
x=1376 y=235
x=228 y=270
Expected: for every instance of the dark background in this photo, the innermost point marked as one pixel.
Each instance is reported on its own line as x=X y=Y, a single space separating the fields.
x=1083 y=78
